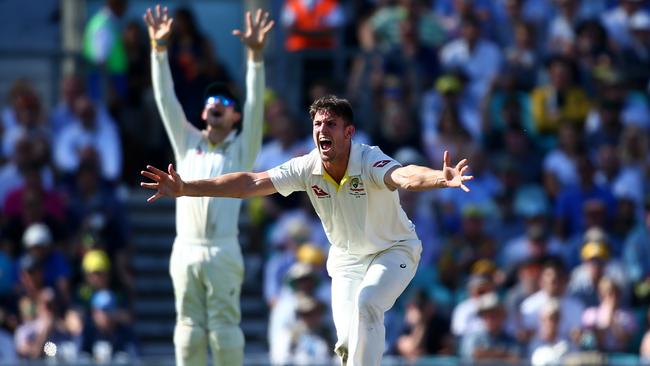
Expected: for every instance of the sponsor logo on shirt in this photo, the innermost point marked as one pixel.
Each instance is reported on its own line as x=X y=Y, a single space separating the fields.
x=356 y=187
x=319 y=192
x=380 y=163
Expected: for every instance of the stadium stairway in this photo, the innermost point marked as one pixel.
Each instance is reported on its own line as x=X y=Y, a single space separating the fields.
x=152 y=227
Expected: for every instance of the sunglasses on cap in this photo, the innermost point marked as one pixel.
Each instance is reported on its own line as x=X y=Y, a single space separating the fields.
x=225 y=101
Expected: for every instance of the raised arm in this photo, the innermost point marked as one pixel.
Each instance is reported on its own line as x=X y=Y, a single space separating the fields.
x=254 y=38
x=420 y=178
x=234 y=185
x=159 y=26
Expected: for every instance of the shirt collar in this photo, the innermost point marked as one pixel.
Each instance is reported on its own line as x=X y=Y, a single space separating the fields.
x=225 y=143
x=354 y=162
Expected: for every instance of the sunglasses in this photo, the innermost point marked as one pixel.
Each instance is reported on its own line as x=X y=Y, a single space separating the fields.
x=226 y=102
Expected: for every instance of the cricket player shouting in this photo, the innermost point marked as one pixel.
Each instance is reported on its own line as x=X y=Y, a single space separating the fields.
x=375 y=250
x=206 y=263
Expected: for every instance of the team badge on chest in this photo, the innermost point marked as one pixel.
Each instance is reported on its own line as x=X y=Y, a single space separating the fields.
x=356 y=187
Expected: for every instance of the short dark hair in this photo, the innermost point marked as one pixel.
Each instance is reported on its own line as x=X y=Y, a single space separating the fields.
x=338 y=107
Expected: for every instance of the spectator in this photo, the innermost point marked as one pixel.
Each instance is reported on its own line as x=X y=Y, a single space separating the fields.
x=72 y=88
x=311 y=337
x=303 y=280
x=388 y=21
x=617 y=21
x=311 y=24
x=560 y=101
x=426 y=330
x=30 y=122
x=38 y=243
x=636 y=56
x=491 y=343
x=596 y=265
x=612 y=326
x=32 y=208
x=479 y=58
x=47 y=326
x=193 y=63
x=522 y=58
x=103 y=49
x=561 y=33
x=574 y=202
x=526 y=283
x=552 y=286
x=465 y=318
x=92 y=131
x=108 y=327
x=548 y=347
x=636 y=251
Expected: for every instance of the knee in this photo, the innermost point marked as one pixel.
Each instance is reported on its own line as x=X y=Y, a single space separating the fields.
x=226 y=337
x=190 y=338
x=369 y=310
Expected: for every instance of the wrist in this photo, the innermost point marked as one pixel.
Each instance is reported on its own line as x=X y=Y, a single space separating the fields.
x=159 y=44
x=255 y=55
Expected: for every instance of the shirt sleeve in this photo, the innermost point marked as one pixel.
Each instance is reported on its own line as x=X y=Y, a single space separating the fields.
x=377 y=164
x=288 y=177
x=170 y=109
x=251 y=134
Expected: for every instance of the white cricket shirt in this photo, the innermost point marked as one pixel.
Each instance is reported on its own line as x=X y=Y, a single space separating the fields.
x=208 y=218
x=361 y=215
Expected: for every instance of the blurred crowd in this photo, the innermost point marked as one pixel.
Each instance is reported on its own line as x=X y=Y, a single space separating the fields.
x=546 y=259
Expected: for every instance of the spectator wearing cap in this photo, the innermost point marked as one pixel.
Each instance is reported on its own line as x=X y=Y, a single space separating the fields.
x=490 y=343
x=548 y=347
x=464 y=318
x=30 y=283
x=636 y=251
x=311 y=335
x=596 y=264
x=552 y=283
x=449 y=98
x=96 y=267
x=56 y=270
x=609 y=322
x=479 y=58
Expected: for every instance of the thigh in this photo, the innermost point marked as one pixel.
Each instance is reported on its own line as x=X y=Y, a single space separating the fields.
x=387 y=277
x=189 y=292
x=223 y=276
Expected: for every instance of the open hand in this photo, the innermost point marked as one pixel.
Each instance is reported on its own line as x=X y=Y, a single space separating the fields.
x=254 y=37
x=166 y=184
x=159 y=24
x=454 y=174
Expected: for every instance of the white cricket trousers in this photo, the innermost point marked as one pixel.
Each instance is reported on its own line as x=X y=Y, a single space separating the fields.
x=363 y=289
x=207 y=281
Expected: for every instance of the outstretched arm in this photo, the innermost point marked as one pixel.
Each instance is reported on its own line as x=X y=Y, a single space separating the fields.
x=234 y=185
x=420 y=178
x=159 y=26
x=254 y=38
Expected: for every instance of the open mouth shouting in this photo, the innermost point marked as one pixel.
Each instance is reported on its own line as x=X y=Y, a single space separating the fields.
x=325 y=144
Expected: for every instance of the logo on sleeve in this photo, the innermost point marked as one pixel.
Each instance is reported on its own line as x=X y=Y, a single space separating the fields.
x=319 y=192
x=380 y=163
